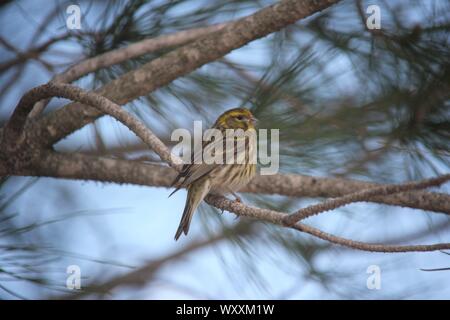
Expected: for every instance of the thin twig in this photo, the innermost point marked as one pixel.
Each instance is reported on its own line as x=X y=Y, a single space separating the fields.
x=279 y=217
x=32 y=53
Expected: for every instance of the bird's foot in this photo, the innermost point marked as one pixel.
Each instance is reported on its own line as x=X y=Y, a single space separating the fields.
x=236 y=197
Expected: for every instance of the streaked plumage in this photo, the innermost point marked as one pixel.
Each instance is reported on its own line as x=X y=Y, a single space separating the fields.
x=201 y=179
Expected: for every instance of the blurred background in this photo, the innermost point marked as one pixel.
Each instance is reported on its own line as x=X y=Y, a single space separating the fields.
x=350 y=102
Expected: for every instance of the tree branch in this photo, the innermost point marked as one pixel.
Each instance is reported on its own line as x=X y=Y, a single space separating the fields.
x=133 y=50
x=179 y=62
x=364 y=195
x=88 y=167
x=14 y=128
x=32 y=53
x=278 y=218
x=305 y=186
x=17 y=123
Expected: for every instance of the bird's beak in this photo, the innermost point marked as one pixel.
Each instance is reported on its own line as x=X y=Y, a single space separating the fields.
x=253 y=120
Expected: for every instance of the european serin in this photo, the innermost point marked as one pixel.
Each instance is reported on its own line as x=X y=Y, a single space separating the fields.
x=219 y=178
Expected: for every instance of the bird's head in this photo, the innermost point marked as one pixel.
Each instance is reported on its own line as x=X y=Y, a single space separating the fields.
x=238 y=118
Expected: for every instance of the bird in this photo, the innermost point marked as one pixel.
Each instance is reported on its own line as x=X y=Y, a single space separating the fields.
x=200 y=178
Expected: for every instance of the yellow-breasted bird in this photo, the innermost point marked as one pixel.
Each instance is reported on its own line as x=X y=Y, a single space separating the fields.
x=219 y=178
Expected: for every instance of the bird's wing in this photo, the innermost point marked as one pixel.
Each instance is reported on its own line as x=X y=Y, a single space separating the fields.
x=193 y=171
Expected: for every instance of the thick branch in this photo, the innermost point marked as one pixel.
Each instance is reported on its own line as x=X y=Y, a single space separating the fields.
x=131 y=51
x=305 y=186
x=364 y=195
x=86 y=167
x=163 y=70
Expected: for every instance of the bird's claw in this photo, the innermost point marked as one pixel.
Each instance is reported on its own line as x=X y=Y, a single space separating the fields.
x=236 y=197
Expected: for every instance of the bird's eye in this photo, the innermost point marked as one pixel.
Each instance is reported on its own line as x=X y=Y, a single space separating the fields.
x=240 y=118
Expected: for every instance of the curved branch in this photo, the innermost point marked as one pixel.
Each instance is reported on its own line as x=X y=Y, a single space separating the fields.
x=14 y=128
x=279 y=217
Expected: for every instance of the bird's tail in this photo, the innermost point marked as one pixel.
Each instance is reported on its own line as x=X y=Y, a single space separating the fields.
x=196 y=193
